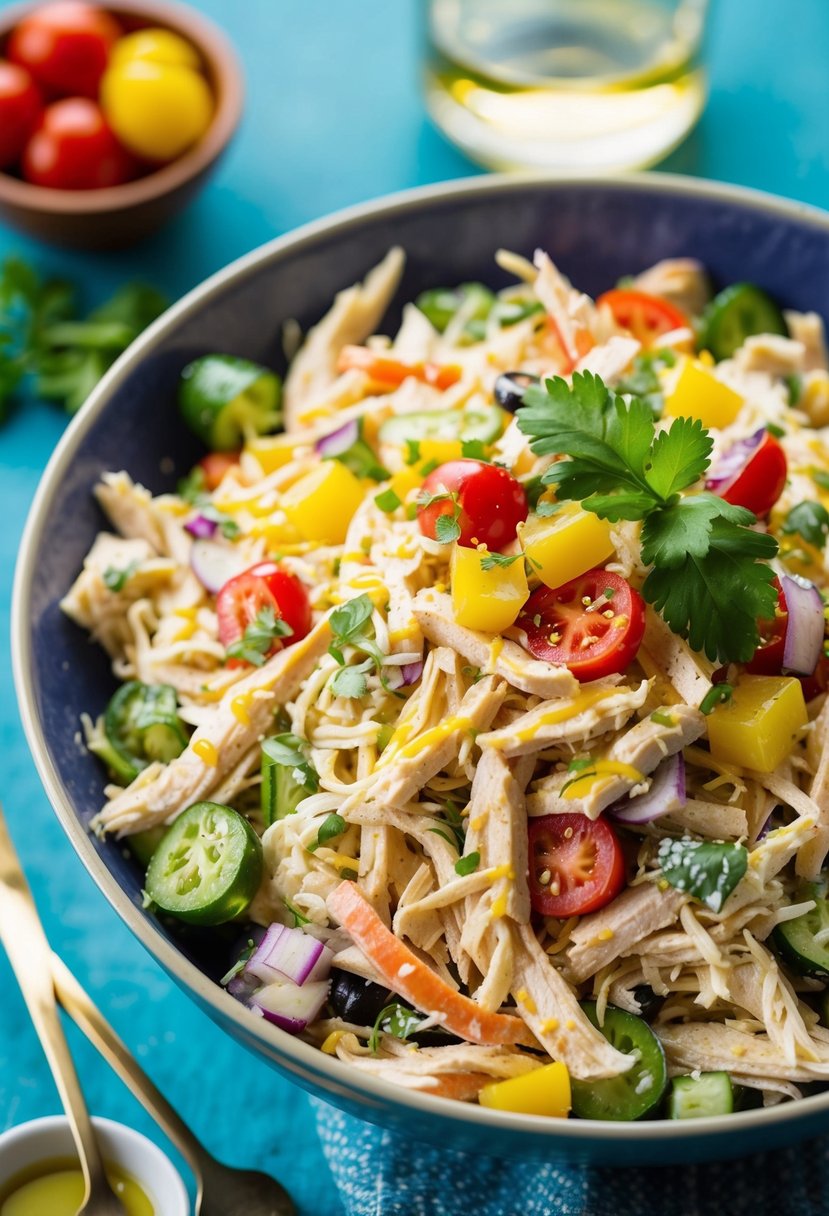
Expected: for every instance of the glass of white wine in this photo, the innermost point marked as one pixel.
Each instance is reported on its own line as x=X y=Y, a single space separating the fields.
x=570 y=85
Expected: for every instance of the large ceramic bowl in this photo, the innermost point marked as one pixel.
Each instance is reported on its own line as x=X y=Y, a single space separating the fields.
x=597 y=231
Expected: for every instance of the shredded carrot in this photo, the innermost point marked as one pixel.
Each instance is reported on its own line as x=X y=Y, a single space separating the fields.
x=392 y=372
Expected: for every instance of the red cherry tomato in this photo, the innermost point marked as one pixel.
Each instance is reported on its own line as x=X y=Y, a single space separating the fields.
x=490 y=502
x=760 y=481
x=66 y=46
x=74 y=149
x=646 y=317
x=592 y=625
x=215 y=465
x=265 y=585
x=576 y=865
x=767 y=659
x=20 y=109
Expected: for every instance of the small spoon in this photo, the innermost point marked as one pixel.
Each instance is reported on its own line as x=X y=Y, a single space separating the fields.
x=222 y=1190
x=30 y=956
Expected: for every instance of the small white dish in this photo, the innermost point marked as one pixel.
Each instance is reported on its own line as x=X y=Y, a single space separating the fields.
x=50 y=1138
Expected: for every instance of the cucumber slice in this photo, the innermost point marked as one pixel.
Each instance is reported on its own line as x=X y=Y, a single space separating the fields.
x=440 y=304
x=223 y=398
x=734 y=315
x=709 y=1093
x=484 y=423
x=287 y=776
x=796 y=941
x=635 y=1093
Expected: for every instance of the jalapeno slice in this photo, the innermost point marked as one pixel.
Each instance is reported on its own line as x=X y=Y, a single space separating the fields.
x=208 y=866
x=800 y=943
x=632 y=1094
x=141 y=724
x=222 y=398
x=734 y=315
x=485 y=422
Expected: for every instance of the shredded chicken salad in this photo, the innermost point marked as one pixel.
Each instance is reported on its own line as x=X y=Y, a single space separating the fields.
x=478 y=677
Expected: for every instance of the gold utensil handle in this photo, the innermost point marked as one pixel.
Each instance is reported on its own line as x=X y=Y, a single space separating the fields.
x=92 y=1023
x=30 y=956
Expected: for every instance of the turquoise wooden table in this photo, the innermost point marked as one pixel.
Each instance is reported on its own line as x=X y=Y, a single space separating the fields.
x=319 y=75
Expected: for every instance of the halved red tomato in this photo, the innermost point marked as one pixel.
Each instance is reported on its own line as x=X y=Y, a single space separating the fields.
x=751 y=474
x=767 y=659
x=644 y=316
x=576 y=864
x=593 y=625
x=265 y=585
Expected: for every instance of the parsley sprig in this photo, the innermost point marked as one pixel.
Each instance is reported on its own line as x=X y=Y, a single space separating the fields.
x=708 y=576
x=259 y=636
x=350 y=624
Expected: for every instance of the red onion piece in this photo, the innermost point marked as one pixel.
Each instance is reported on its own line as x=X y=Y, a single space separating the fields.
x=290 y=954
x=730 y=465
x=666 y=794
x=411 y=672
x=339 y=441
x=201 y=527
x=289 y=1006
x=214 y=563
x=243 y=986
x=804 y=631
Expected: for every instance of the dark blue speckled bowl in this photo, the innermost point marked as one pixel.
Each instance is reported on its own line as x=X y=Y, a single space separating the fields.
x=597 y=231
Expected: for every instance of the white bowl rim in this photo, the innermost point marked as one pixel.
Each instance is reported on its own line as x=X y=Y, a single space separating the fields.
x=292 y=1053
x=118 y=1134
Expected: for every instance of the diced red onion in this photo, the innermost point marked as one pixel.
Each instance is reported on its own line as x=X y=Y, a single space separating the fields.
x=411 y=672
x=243 y=986
x=290 y=1006
x=666 y=794
x=339 y=441
x=201 y=527
x=290 y=954
x=214 y=563
x=804 y=631
x=730 y=465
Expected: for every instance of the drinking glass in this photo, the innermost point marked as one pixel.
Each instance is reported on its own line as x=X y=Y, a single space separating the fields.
x=569 y=85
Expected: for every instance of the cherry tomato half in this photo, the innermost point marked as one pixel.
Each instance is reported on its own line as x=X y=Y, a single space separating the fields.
x=646 y=317
x=215 y=465
x=767 y=659
x=576 y=864
x=20 y=109
x=65 y=45
x=759 y=475
x=490 y=502
x=73 y=149
x=593 y=625
x=265 y=585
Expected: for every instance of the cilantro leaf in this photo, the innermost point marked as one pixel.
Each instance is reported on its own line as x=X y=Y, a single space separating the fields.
x=671 y=534
x=347 y=623
x=291 y=752
x=545 y=508
x=810 y=520
x=259 y=637
x=679 y=457
x=643 y=381
x=397 y=1020
x=351 y=681
x=447 y=529
x=467 y=864
x=489 y=561
x=708 y=870
x=115 y=579
x=332 y=826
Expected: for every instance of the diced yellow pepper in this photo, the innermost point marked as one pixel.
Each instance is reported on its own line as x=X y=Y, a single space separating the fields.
x=697 y=393
x=562 y=546
x=488 y=600
x=272 y=451
x=404 y=481
x=321 y=504
x=544 y=1091
x=440 y=450
x=758 y=727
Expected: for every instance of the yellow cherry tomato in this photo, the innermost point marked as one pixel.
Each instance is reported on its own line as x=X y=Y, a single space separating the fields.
x=157 y=111
x=155 y=46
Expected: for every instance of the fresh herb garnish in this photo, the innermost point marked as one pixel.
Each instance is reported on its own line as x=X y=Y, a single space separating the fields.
x=397 y=1020
x=192 y=489
x=351 y=681
x=412 y=451
x=810 y=520
x=332 y=827
x=707 y=578
x=468 y=864
x=820 y=478
x=545 y=509
x=348 y=625
x=489 y=561
x=116 y=579
x=643 y=381
x=388 y=501
x=708 y=870
x=240 y=964
x=291 y=752
x=794 y=387
x=453 y=827
x=473 y=449
x=299 y=919
x=662 y=719
x=718 y=694
x=774 y=429
x=259 y=636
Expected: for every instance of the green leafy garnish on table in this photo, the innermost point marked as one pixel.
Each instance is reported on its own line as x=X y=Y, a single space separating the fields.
x=708 y=578
x=47 y=348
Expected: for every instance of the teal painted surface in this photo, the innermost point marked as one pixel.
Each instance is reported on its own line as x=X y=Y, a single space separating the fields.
x=333 y=117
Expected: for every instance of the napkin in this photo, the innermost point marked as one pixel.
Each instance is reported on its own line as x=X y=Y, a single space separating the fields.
x=380 y=1173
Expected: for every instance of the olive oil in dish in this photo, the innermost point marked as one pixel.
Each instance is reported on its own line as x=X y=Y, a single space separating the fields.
x=56 y=1187
x=582 y=85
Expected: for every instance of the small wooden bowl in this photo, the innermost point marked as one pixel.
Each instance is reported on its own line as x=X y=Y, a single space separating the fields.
x=120 y=215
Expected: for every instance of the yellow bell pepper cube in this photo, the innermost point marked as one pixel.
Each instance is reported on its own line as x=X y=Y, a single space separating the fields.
x=272 y=451
x=697 y=393
x=404 y=481
x=440 y=450
x=562 y=546
x=321 y=504
x=758 y=727
x=544 y=1091
x=488 y=600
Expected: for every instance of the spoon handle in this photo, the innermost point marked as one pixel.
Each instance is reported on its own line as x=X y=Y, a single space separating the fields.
x=92 y=1023
x=29 y=953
